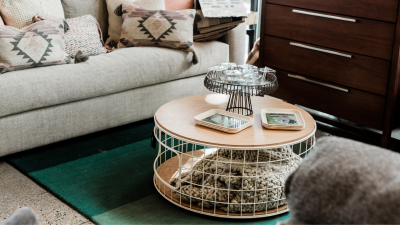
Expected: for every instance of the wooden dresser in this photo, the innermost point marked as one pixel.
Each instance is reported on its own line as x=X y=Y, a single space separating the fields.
x=336 y=56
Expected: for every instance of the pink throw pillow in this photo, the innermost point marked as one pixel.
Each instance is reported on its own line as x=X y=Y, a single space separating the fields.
x=178 y=4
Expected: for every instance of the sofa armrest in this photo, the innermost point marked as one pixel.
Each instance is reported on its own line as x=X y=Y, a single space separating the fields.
x=236 y=39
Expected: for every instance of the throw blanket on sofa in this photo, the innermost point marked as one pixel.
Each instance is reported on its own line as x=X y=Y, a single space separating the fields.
x=345 y=182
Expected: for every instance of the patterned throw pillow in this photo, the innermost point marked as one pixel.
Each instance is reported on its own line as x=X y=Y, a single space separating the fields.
x=19 y=13
x=115 y=22
x=84 y=35
x=40 y=44
x=161 y=28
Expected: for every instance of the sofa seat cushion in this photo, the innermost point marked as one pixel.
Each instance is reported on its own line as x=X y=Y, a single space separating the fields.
x=120 y=70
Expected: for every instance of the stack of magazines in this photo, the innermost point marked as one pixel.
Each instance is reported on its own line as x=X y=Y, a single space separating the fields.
x=209 y=29
x=216 y=17
x=282 y=119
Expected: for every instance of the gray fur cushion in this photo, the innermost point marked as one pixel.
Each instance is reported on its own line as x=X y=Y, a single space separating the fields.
x=345 y=182
x=23 y=216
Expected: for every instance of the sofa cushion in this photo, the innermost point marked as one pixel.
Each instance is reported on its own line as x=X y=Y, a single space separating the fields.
x=19 y=13
x=178 y=4
x=84 y=35
x=39 y=44
x=115 y=22
x=97 y=8
x=120 y=70
x=161 y=28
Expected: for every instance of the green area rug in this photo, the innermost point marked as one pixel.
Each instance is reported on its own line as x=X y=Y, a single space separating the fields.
x=108 y=177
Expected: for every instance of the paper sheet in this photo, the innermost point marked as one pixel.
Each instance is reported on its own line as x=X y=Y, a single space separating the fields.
x=223 y=8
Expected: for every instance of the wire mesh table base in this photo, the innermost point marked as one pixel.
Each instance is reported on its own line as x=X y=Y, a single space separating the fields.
x=226 y=182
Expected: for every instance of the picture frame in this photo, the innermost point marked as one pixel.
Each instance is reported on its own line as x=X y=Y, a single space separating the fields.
x=224 y=121
x=282 y=119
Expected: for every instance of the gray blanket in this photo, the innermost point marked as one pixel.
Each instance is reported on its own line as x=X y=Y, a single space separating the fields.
x=345 y=182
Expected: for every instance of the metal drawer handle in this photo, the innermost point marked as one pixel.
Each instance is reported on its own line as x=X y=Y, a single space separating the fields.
x=316 y=82
x=320 y=50
x=323 y=15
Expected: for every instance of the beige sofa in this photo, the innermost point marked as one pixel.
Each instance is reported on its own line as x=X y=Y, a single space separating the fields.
x=45 y=105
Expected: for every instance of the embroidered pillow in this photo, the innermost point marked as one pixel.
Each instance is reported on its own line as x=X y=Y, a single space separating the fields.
x=84 y=35
x=40 y=44
x=115 y=22
x=161 y=28
x=19 y=13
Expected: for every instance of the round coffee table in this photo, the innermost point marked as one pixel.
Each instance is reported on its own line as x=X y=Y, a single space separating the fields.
x=238 y=175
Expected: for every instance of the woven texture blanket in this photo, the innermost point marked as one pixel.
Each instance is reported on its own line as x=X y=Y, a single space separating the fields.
x=345 y=182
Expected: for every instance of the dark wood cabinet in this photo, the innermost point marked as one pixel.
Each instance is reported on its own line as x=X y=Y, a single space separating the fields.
x=336 y=56
x=364 y=36
x=385 y=10
x=341 y=101
x=359 y=72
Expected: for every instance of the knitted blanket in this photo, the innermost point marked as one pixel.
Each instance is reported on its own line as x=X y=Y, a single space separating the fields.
x=267 y=175
x=345 y=182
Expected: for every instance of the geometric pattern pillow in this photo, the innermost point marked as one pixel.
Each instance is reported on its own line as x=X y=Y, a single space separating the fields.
x=161 y=28
x=115 y=22
x=39 y=44
x=84 y=35
x=19 y=13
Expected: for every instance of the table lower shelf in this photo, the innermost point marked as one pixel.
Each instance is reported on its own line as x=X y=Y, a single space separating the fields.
x=170 y=167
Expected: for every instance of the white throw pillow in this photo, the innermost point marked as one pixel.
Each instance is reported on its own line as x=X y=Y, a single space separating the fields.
x=19 y=13
x=115 y=22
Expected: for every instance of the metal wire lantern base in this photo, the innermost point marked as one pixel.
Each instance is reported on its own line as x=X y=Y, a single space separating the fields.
x=240 y=103
x=226 y=182
x=240 y=92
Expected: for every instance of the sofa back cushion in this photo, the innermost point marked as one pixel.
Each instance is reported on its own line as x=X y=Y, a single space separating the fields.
x=96 y=8
x=19 y=13
x=1 y=20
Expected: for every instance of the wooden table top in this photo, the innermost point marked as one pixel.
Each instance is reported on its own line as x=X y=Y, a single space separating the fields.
x=177 y=118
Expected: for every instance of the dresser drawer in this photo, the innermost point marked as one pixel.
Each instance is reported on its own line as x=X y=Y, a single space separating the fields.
x=364 y=37
x=352 y=70
x=385 y=10
x=350 y=104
